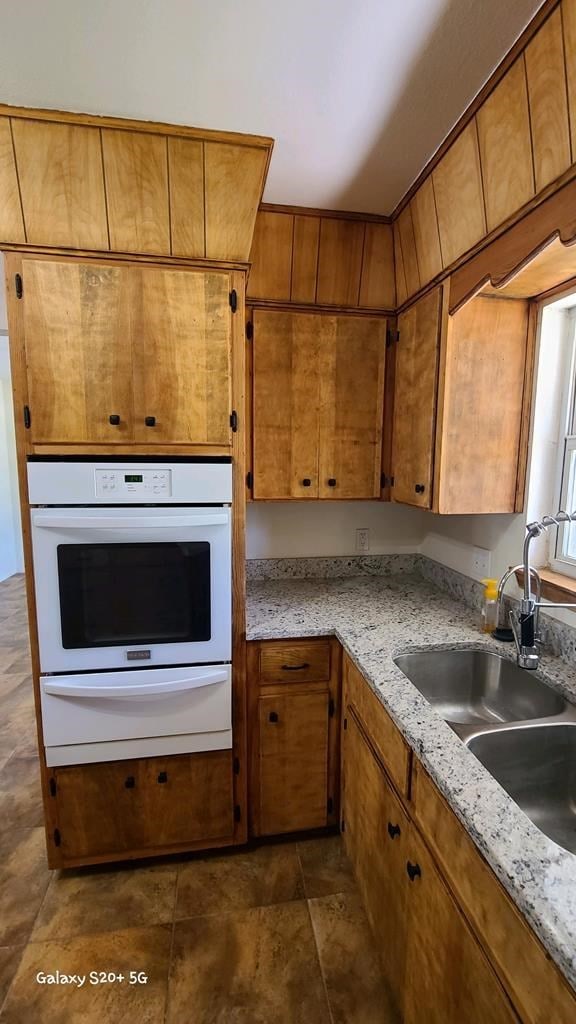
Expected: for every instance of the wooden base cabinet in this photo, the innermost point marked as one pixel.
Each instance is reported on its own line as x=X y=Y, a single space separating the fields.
x=294 y=698
x=453 y=946
x=122 y=809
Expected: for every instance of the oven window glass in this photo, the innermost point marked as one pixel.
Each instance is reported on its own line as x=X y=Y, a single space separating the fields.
x=117 y=594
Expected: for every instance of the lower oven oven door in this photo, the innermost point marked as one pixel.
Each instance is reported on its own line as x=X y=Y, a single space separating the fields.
x=109 y=716
x=119 y=586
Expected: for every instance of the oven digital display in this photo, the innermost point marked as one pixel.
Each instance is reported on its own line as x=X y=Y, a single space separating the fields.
x=133 y=478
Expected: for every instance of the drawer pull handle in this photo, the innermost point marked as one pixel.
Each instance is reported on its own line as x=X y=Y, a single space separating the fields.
x=273 y=716
x=163 y=777
x=413 y=871
x=393 y=830
x=296 y=668
x=130 y=782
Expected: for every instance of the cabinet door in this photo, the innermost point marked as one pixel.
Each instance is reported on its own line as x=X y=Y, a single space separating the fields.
x=448 y=979
x=286 y=398
x=293 y=756
x=78 y=352
x=376 y=835
x=182 y=356
x=352 y=359
x=415 y=392
x=120 y=807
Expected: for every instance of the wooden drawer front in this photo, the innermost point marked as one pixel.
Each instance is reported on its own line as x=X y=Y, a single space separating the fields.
x=293 y=754
x=535 y=985
x=122 y=806
x=295 y=662
x=378 y=725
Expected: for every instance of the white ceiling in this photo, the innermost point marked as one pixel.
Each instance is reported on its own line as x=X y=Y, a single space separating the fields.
x=357 y=93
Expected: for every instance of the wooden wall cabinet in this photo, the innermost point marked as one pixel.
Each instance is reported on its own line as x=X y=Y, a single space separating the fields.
x=453 y=946
x=461 y=404
x=294 y=697
x=317 y=405
x=126 y=354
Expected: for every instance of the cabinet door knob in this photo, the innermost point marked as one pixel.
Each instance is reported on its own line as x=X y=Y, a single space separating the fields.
x=413 y=870
x=295 y=668
x=273 y=716
x=306 y=482
x=332 y=482
x=419 y=488
x=393 y=830
x=130 y=782
x=150 y=421
x=114 y=420
x=162 y=776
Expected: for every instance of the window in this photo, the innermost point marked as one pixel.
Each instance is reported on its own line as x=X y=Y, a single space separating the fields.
x=563 y=540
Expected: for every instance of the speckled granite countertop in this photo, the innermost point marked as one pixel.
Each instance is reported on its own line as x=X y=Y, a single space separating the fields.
x=378 y=617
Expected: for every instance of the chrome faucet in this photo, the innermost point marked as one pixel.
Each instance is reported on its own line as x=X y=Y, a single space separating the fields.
x=525 y=622
x=535 y=576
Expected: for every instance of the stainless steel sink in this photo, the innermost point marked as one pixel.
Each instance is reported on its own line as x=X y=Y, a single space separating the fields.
x=479 y=688
x=536 y=765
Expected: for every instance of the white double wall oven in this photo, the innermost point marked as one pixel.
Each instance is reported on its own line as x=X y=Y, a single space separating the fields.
x=133 y=583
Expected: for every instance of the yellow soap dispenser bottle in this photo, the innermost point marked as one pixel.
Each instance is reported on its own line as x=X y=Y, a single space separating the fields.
x=490 y=606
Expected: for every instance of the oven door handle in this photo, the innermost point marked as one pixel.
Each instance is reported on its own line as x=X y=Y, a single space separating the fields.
x=59 y=688
x=52 y=522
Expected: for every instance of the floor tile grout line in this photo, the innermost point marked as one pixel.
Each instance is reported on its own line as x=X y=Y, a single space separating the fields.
x=320 y=966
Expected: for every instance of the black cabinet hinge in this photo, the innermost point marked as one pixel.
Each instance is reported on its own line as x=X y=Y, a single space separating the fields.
x=27 y=417
x=342 y=825
x=386 y=481
x=57 y=839
x=236 y=764
x=19 y=286
x=249 y=330
x=234 y=421
x=233 y=299
x=345 y=723
x=391 y=337
x=249 y=480
x=330 y=805
x=52 y=787
x=237 y=813
x=331 y=707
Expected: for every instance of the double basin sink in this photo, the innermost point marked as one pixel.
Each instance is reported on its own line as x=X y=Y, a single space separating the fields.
x=522 y=730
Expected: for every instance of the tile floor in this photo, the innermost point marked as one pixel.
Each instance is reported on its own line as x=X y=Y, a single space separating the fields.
x=273 y=935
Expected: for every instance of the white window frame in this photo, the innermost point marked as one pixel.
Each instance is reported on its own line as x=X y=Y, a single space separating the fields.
x=560 y=562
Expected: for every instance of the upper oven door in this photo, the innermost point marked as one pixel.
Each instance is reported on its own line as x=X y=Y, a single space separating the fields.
x=117 y=587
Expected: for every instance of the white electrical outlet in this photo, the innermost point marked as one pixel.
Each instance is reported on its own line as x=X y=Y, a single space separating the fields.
x=481 y=563
x=363 y=540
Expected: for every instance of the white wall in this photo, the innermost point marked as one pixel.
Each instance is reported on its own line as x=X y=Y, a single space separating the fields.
x=11 y=556
x=291 y=529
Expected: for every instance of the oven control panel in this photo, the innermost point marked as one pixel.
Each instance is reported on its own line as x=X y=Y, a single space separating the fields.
x=146 y=483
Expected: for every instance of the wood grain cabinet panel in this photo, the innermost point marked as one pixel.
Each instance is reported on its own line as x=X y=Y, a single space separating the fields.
x=182 y=356
x=459 y=198
x=286 y=404
x=11 y=221
x=296 y=661
x=447 y=978
x=415 y=390
x=505 y=147
x=548 y=101
x=62 y=184
x=305 y=258
x=409 y=256
x=293 y=754
x=186 y=166
x=376 y=832
x=271 y=255
x=122 y=806
x=399 y=273
x=136 y=171
x=234 y=179
x=352 y=356
x=339 y=262
x=568 y=9
x=426 y=236
x=78 y=351
x=485 y=357
x=377 y=285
